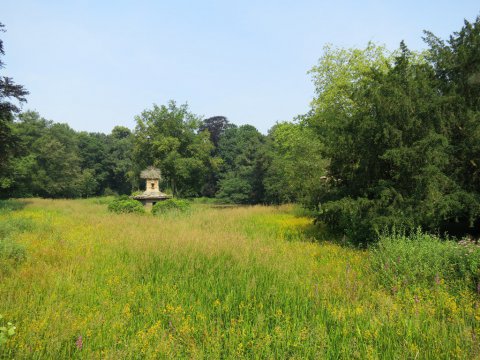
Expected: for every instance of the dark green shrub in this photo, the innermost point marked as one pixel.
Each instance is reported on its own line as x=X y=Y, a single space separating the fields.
x=235 y=190
x=123 y=204
x=362 y=220
x=425 y=260
x=171 y=206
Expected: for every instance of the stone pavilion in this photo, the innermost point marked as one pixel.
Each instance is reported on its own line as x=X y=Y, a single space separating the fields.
x=152 y=193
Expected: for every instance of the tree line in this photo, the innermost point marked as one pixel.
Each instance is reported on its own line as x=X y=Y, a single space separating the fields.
x=392 y=139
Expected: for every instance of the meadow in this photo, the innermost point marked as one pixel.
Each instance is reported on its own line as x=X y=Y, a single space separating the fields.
x=238 y=282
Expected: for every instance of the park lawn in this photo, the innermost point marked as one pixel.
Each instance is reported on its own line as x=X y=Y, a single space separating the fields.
x=246 y=282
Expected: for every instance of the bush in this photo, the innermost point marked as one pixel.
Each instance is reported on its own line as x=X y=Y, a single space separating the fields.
x=123 y=204
x=425 y=260
x=362 y=220
x=171 y=206
x=235 y=190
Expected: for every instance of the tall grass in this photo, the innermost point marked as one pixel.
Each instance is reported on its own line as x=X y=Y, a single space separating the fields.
x=11 y=252
x=11 y=205
x=423 y=260
x=244 y=282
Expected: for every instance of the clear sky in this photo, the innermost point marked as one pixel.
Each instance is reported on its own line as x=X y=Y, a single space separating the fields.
x=97 y=64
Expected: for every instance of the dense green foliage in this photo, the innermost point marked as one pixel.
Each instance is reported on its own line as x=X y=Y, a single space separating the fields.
x=167 y=137
x=242 y=150
x=53 y=160
x=123 y=205
x=171 y=206
x=402 y=136
x=296 y=167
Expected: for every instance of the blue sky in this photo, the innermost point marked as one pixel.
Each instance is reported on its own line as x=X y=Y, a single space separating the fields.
x=97 y=64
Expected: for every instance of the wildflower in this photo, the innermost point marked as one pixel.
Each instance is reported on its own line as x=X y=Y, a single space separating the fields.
x=79 y=342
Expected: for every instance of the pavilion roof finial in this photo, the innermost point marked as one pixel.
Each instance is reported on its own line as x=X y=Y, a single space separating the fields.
x=151 y=173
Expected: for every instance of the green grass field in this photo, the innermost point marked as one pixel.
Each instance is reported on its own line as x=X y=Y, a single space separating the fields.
x=245 y=282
